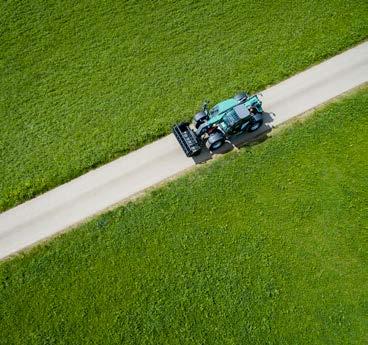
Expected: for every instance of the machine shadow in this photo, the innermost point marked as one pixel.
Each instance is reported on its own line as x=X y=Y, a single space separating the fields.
x=237 y=141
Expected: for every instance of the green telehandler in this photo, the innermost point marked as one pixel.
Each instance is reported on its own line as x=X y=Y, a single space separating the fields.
x=212 y=127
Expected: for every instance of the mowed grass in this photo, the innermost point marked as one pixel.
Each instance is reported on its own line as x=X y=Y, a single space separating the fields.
x=268 y=245
x=82 y=83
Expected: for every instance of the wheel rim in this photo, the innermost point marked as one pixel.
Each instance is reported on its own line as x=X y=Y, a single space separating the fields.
x=255 y=126
x=216 y=145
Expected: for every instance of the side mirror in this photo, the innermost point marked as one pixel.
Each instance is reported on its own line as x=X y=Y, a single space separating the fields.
x=205 y=106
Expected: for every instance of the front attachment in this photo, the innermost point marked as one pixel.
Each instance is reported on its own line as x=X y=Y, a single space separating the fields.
x=187 y=139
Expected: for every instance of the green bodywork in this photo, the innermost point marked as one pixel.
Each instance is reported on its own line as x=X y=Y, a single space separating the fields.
x=223 y=113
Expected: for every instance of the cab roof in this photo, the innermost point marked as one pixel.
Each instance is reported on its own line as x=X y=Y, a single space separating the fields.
x=226 y=104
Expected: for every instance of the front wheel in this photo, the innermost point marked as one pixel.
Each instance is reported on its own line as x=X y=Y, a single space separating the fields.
x=215 y=141
x=255 y=123
x=199 y=118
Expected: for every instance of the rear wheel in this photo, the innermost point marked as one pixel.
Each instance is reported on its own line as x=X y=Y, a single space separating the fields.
x=215 y=141
x=241 y=97
x=255 y=123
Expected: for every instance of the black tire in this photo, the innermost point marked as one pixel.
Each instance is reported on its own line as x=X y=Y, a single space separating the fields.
x=241 y=97
x=255 y=123
x=215 y=141
x=199 y=118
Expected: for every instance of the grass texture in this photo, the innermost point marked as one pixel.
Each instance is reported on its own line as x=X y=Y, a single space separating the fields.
x=267 y=245
x=82 y=83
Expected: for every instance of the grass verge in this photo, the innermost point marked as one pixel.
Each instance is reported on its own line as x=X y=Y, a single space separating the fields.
x=265 y=245
x=82 y=83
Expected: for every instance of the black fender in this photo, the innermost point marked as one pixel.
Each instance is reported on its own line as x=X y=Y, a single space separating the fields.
x=201 y=129
x=257 y=117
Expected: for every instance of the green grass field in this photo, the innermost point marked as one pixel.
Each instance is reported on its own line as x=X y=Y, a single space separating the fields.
x=83 y=83
x=267 y=245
